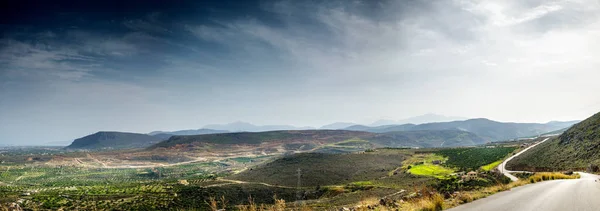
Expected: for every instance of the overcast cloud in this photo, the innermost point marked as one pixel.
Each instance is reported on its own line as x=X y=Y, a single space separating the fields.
x=286 y=62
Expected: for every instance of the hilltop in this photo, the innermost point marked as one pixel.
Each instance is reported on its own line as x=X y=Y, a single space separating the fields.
x=576 y=148
x=113 y=140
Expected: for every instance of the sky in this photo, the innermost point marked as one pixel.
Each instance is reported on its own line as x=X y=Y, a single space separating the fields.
x=71 y=68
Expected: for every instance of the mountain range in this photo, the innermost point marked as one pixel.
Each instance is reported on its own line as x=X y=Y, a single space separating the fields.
x=337 y=125
x=439 y=134
x=425 y=118
x=248 y=127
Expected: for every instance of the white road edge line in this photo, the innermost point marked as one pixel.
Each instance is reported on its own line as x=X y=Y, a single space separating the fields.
x=502 y=166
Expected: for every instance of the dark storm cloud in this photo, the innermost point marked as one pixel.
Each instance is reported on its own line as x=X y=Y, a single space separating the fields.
x=83 y=66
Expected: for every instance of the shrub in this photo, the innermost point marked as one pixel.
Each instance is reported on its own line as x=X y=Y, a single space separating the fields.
x=435 y=202
x=593 y=168
x=465 y=198
x=544 y=176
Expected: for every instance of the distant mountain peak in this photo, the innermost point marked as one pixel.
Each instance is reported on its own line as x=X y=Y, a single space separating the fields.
x=337 y=125
x=240 y=126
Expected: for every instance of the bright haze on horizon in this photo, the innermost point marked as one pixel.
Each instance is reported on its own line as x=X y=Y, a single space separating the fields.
x=68 y=69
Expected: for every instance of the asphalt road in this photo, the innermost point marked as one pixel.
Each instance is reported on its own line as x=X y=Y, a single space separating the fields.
x=574 y=194
x=502 y=166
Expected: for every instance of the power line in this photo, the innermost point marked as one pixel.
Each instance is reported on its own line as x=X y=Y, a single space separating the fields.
x=298 y=191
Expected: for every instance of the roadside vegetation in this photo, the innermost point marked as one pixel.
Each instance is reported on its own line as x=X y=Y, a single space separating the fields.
x=430 y=197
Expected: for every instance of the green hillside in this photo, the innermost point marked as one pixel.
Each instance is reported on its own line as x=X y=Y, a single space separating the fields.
x=324 y=169
x=113 y=140
x=576 y=148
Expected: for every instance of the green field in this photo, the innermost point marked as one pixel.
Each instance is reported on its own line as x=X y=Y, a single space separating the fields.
x=423 y=158
x=44 y=187
x=436 y=171
x=491 y=166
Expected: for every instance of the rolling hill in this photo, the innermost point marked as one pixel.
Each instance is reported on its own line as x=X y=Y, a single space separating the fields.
x=323 y=169
x=114 y=140
x=331 y=138
x=576 y=148
x=319 y=137
x=485 y=128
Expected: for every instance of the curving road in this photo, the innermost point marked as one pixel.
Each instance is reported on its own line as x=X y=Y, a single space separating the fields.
x=502 y=166
x=556 y=195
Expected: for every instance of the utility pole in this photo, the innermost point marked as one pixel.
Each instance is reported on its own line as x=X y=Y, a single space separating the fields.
x=298 y=192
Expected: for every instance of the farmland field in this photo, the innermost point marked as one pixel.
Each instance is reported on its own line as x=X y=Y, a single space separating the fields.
x=473 y=158
x=327 y=180
x=431 y=170
x=54 y=180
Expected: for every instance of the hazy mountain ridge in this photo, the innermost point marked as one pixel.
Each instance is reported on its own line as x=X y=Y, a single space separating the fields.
x=421 y=119
x=485 y=128
x=381 y=129
x=186 y=132
x=248 y=127
x=337 y=125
